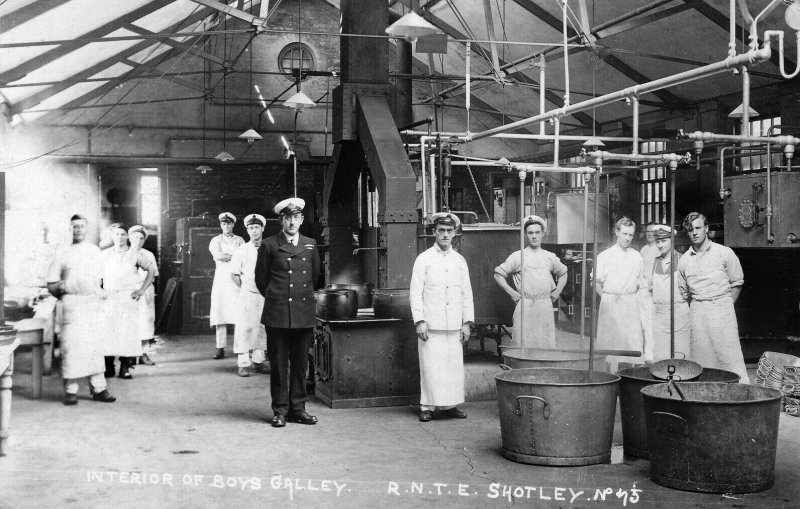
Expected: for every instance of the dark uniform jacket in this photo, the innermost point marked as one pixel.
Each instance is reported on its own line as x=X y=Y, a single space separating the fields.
x=285 y=276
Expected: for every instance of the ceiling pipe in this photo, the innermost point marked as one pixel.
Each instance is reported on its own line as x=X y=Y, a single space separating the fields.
x=738 y=138
x=751 y=57
x=539 y=137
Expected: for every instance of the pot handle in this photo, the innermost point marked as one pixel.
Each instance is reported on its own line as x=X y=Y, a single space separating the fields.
x=505 y=367
x=670 y=424
x=545 y=410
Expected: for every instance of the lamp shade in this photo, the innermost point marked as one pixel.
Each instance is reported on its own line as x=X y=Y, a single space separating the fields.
x=594 y=142
x=299 y=101
x=738 y=112
x=224 y=156
x=411 y=26
x=204 y=169
x=250 y=135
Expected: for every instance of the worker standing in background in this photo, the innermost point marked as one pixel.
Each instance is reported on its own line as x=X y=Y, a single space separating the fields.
x=249 y=334
x=657 y=281
x=145 y=326
x=75 y=279
x=124 y=289
x=544 y=278
x=711 y=279
x=224 y=293
x=443 y=310
x=618 y=275
x=287 y=270
x=649 y=253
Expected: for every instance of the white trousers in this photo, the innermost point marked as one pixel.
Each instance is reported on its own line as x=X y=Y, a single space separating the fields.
x=243 y=359
x=222 y=335
x=97 y=383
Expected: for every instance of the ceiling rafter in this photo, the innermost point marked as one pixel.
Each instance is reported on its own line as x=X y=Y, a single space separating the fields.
x=451 y=31
x=45 y=58
x=617 y=64
x=143 y=68
x=16 y=18
x=179 y=45
x=33 y=100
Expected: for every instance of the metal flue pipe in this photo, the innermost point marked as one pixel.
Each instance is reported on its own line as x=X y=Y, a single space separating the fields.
x=751 y=57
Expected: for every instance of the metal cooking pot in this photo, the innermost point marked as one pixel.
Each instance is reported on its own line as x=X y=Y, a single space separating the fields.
x=542 y=358
x=363 y=290
x=391 y=303
x=722 y=438
x=336 y=304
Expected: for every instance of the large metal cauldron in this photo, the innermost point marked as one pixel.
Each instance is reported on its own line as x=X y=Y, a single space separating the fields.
x=721 y=439
x=363 y=290
x=537 y=358
x=631 y=404
x=391 y=303
x=551 y=416
x=336 y=304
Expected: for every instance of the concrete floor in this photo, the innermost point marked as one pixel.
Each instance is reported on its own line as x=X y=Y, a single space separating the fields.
x=190 y=433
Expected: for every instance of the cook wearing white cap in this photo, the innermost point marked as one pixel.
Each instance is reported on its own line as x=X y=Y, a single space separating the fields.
x=543 y=277
x=657 y=284
x=249 y=336
x=224 y=293
x=286 y=274
x=147 y=303
x=443 y=310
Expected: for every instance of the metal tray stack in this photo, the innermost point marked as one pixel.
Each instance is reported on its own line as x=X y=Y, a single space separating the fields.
x=782 y=372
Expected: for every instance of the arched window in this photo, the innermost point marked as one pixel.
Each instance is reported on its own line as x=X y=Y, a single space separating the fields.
x=294 y=58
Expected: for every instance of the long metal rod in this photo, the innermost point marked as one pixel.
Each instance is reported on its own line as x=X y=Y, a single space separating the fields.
x=751 y=57
x=673 y=166
x=583 y=260
x=593 y=323
x=522 y=174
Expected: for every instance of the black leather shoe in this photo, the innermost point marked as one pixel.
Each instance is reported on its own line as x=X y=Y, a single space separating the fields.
x=104 y=397
x=70 y=399
x=302 y=418
x=278 y=421
x=220 y=354
x=425 y=416
x=455 y=413
x=124 y=370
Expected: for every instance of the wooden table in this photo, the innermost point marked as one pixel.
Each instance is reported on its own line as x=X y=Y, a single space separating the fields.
x=37 y=334
x=6 y=370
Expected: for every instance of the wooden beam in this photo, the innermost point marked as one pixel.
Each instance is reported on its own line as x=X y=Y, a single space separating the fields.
x=16 y=18
x=38 y=97
x=20 y=71
x=179 y=45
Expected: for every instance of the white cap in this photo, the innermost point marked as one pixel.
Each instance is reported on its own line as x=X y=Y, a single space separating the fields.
x=292 y=204
x=255 y=218
x=533 y=219
x=447 y=218
x=227 y=216
x=137 y=228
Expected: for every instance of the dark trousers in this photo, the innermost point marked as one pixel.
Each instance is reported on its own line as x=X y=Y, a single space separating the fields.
x=287 y=350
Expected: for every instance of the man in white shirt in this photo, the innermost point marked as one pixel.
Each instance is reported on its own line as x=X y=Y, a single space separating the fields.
x=443 y=310
x=618 y=273
x=249 y=334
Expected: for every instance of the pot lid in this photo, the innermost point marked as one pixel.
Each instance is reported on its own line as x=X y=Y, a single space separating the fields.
x=675 y=369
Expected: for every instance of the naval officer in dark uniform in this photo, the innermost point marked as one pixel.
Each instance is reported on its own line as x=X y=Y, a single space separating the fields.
x=287 y=269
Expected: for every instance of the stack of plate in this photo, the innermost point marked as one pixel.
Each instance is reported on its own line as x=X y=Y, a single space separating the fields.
x=782 y=372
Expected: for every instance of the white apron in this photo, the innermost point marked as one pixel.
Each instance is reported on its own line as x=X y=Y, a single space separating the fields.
x=249 y=333
x=441 y=369
x=120 y=280
x=224 y=292
x=145 y=324
x=618 y=324
x=715 y=336
x=540 y=328
x=81 y=316
x=661 y=312
x=81 y=333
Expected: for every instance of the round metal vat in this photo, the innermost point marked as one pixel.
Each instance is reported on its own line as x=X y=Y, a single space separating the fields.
x=536 y=358
x=631 y=404
x=336 y=304
x=391 y=303
x=556 y=416
x=722 y=438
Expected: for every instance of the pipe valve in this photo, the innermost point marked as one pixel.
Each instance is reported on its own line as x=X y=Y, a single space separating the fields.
x=698 y=147
x=788 y=151
x=791 y=238
x=724 y=193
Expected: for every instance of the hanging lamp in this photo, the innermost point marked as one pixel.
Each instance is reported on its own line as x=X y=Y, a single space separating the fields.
x=299 y=101
x=251 y=134
x=224 y=155
x=411 y=27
